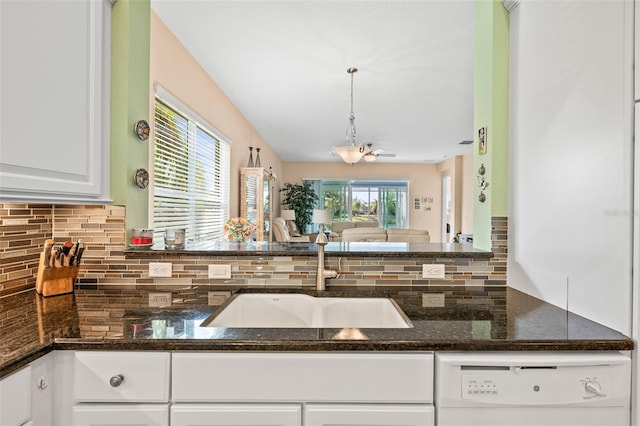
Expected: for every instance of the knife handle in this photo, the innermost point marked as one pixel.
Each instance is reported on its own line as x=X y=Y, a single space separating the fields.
x=53 y=257
x=72 y=255
x=48 y=244
x=80 y=251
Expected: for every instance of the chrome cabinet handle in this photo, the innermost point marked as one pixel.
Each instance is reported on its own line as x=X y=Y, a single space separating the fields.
x=116 y=381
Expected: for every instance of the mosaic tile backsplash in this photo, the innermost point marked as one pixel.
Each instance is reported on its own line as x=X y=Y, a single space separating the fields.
x=25 y=227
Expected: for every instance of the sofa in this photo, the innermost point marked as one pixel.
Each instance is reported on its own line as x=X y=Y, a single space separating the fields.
x=338 y=227
x=381 y=234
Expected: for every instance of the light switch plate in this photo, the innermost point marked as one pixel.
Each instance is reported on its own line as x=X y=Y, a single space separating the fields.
x=220 y=271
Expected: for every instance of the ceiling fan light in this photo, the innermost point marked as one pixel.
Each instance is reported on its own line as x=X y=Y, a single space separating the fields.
x=369 y=157
x=350 y=153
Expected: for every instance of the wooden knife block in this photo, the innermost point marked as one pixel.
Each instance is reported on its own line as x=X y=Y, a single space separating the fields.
x=54 y=281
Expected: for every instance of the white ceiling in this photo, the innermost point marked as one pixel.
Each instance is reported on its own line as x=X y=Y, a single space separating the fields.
x=283 y=64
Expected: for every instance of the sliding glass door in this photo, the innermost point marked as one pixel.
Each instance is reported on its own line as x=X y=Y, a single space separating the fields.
x=384 y=201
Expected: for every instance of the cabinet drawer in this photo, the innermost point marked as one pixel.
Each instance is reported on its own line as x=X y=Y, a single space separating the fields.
x=121 y=377
x=15 y=398
x=121 y=414
x=369 y=415
x=287 y=377
x=236 y=414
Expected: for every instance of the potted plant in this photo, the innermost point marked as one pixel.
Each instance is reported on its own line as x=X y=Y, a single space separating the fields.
x=301 y=199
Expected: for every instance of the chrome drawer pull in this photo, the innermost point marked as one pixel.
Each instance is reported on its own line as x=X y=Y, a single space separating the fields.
x=116 y=381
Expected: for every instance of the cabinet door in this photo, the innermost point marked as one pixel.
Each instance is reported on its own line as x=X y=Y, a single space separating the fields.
x=368 y=415
x=236 y=415
x=118 y=414
x=42 y=390
x=54 y=100
x=15 y=398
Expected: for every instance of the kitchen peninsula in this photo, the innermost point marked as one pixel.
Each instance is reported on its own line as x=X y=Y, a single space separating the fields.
x=106 y=333
x=472 y=319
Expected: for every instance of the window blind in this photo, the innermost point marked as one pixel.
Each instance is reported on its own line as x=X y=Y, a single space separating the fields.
x=191 y=175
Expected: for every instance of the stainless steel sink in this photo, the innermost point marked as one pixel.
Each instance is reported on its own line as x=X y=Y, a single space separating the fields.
x=268 y=310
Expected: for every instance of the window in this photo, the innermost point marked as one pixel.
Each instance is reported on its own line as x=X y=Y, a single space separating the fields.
x=385 y=201
x=191 y=173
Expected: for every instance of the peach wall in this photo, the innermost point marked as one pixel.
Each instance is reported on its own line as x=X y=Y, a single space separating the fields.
x=424 y=181
x=462 y=179
x=173 y=67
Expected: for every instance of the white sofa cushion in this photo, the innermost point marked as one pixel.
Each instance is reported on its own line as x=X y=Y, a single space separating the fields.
x=364 y=234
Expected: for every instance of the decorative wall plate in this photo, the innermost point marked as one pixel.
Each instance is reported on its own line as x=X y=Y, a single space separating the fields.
x=142 y=178
x=142 y=129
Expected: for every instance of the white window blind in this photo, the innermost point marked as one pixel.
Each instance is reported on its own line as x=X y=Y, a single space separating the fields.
x=191 y=175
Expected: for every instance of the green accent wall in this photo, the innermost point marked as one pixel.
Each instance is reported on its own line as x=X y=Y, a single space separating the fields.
x=130 y=44
x=491 y=110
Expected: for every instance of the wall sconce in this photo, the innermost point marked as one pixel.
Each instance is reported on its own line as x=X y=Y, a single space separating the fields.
x=482 y=183
x=142 y=130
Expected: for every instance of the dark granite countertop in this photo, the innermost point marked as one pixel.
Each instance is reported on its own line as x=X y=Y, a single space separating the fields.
x=360 y=249
x=473 y=319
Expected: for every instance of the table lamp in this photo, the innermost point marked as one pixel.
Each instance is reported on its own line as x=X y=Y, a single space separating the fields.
x=321 y=217
x=288 y=214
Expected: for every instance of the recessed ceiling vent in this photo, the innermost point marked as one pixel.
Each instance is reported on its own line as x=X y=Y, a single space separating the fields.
x=466 y=143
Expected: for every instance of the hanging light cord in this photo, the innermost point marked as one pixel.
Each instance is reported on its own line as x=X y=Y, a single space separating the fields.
x=351 y=130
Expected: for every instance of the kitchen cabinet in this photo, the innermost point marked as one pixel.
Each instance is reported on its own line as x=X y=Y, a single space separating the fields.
x=26 y=396
x=15 y=398
x=42 y=390
x=334 y=388
x=256 y=196
x=368 y=415
x=54 y=101
x=236 y=415
x=121 y=388
x=120 y=414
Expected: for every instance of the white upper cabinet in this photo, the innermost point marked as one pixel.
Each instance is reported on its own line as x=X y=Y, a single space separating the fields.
x=54 y=100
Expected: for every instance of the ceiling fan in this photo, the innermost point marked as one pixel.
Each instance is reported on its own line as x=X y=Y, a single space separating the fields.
x=372 y=154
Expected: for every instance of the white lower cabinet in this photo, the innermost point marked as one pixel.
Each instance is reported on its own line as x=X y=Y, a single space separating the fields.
x=251 y=388
x=236 y=414
x=291 y=415
x=121 y=388
x=26 y=396
x=15 y=398
x=121 y=414
x=368 y=415
x=310 y=389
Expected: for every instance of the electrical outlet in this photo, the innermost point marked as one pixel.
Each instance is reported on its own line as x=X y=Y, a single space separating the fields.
x=432 y=300
x=160 y=269
x=433 y=270
x=159 y=299
x=220 y=271
x=217 y=298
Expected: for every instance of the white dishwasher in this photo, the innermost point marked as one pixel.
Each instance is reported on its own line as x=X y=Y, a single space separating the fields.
x=533 y=389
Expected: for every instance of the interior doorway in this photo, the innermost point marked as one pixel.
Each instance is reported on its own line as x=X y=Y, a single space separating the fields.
x=447 y=214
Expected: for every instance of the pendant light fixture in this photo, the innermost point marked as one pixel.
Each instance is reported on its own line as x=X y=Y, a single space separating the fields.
x=350 y=153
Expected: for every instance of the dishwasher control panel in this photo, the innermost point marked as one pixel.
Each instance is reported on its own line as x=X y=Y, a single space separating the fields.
x=474 y=388
x=532 y=379
x=526 y=385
